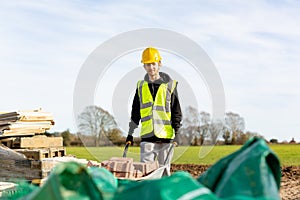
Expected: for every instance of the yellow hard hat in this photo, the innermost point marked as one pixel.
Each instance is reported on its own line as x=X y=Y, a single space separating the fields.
x=150 y=55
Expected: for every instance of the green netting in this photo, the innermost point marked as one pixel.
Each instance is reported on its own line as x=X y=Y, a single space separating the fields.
x=18 y=192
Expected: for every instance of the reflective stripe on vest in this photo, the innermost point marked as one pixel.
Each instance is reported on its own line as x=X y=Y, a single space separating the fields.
x=156 y=115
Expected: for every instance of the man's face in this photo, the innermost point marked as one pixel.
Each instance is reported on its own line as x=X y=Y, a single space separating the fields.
x=152 y=69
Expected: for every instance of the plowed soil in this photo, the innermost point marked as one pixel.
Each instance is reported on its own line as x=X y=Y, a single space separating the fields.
x=290 y=180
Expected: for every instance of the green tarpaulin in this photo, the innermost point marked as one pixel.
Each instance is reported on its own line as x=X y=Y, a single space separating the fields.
x=253 y=172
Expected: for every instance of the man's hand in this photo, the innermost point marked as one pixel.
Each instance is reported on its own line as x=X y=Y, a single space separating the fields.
x=176 y=140
x=129 y=139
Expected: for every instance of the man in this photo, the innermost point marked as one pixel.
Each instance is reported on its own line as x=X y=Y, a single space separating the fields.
x=157 y=106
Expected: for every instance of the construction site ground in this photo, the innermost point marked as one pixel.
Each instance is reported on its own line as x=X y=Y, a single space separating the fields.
x=290 y=180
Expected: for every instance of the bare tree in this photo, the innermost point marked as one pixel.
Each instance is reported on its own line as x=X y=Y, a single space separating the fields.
x=196 y=126
x=204 y=126
x=190 y=125
x=235 y=124
x=226 y=134
x=216 y=127
x=96 y=122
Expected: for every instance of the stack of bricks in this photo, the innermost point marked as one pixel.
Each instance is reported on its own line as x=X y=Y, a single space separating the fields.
x=127 y=169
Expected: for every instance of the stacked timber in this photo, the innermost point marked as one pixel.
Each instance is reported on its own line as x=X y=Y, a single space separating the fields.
x=25 y=123
x=23 y=145
x=15 y=165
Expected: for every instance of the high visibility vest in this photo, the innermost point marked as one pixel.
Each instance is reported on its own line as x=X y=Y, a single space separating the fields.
x=156 y=115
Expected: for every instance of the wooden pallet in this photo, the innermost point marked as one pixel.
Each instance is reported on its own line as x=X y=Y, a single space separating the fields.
x=40 y=153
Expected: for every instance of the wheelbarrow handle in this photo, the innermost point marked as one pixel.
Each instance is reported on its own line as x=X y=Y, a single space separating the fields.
x=174 y=144
x=126 y=149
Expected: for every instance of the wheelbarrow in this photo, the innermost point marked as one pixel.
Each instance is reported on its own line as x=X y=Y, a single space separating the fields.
x=158 y=173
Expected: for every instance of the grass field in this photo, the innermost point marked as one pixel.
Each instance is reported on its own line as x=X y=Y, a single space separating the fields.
x=288 y=154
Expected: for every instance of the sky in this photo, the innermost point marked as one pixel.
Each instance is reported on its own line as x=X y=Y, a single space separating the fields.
x=254 y=45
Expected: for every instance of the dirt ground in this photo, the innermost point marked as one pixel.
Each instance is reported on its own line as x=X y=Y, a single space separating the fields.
x=290 y=180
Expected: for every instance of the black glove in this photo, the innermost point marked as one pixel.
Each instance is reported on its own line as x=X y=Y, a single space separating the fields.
x=129 y=139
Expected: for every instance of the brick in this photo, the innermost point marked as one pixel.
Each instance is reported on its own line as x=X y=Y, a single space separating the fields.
x=126 y=168
x=92 y=163
x=116 y=166
x=138 y=174
x=121 y=159
x=151 y=166
x=126 y=175
x=120 y=167
x=105 y=163
x=140 y=166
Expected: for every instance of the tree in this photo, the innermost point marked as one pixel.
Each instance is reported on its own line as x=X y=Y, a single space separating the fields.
x=66 y=135
x=204 y=128
x=244 y=137
x=96 y=122
x=199 y=128
x=216 y=127
x=274 y=141
x=115 y=136
x=235 y=124
x=226 y=134
x=190 y=125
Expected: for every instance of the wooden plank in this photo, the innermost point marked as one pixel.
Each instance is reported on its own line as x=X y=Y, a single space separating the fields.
x=24 y=130
x=2 y=135
x=35 y=118
x=40 y=141
x=22 y=173
x=8 y=114
x=31 y=116
x=40 y=153
x=29 y=127
x=8 y=142
x=20 y=132
x=35 y=113
x=4 y=127
x=6 y=122
x=7 y=153
x=35 y=154
x=40 y=123
x=26 y=122
x=25 y=127
x=11 y=118
x=57 y=152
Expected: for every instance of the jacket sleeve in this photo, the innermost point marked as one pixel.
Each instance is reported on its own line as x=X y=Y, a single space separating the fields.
x=135 y=114
x=176 y=115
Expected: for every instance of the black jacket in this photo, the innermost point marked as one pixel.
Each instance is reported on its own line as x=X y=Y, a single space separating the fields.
x=176 y=115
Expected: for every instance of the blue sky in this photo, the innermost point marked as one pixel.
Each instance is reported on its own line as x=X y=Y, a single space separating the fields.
x=253 y=44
